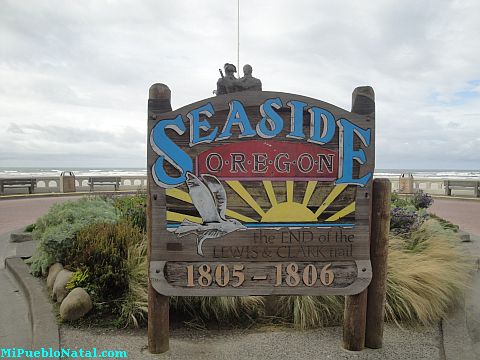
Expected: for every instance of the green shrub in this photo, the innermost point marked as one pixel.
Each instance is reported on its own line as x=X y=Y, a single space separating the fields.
x=56 y=230
x=102 y=251
x=422 y=201
x=30 y=228
x=403 y=220
x=418 y=201
x=402 y=202
x=134 y=209
x=79 y=279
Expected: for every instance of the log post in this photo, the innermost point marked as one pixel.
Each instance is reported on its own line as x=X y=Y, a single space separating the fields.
x=354 y=321
x=363 y=103
x=380 y=227
x=158 y=305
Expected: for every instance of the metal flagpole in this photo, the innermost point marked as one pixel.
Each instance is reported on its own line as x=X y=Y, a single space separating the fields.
x=238 y=37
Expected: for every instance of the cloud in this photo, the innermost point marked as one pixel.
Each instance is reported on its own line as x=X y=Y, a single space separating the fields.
x=75 y=75
x=73 y=146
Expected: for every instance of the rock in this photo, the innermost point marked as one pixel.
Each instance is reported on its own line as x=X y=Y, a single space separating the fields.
x=464 y=236
x=59 y=286
x=52 y=274
x=18 y=237
x=75 y=305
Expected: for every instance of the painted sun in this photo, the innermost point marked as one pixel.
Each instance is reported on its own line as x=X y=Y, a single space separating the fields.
x=273 y=203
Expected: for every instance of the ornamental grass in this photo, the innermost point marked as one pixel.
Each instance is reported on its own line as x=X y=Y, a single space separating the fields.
x=134 y=306
x=306 y=312
x=427 y=274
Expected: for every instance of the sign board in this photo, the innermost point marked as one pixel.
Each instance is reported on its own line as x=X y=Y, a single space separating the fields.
x=260 y=193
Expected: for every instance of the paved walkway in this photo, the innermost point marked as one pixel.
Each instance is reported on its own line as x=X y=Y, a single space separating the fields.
x=465 y=213
x=16 y=213
x=15 y=327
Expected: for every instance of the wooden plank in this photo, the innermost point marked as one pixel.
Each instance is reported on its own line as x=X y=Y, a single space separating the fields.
x=259 y=278
x=158 y=305
x=334 y=244
x=378 y=255
x=363 y=102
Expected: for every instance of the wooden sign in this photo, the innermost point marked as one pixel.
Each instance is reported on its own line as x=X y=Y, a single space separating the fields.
x=260 y=193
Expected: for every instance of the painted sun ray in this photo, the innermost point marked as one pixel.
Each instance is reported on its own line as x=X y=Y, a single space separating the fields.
x=235 y=215
x=309 y=192
x=289 y=184
x=177 y=217
x=179 y=194
x=184 y=196
x=342 y=213
x=270 y=192
x=240 y=190
x=337 y=190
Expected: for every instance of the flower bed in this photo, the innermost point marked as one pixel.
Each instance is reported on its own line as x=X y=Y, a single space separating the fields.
x=102 y=241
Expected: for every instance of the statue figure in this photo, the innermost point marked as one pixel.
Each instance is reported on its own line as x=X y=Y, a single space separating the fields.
x=229 y=83
x=248 y=82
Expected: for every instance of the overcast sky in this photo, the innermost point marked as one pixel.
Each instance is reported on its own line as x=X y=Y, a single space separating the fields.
x=74 y=75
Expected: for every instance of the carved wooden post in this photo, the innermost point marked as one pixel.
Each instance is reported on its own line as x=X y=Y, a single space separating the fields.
x=158 y=305
x=380 y=227
x=363 y=103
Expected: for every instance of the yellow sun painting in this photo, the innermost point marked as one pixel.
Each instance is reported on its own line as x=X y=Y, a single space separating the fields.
x=273 y=203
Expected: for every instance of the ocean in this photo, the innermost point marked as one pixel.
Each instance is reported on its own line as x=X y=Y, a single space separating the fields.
x=430 y=173
x=8 y=172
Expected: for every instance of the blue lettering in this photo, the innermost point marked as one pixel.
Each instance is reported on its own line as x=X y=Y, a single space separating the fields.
x=237 y=116
x=348 y=154
x=319 y=116
x=296 y=119
x=269 y=116
x=168 y=151
x=196 y=125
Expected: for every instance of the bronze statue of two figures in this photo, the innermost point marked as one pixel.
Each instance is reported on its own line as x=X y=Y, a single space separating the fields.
x=228 y=83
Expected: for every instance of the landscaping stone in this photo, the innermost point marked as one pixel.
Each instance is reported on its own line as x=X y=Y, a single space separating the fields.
x=52 y=274
x=464 y=236
x=18 y=237
x=75 y=305
x=59 y=287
